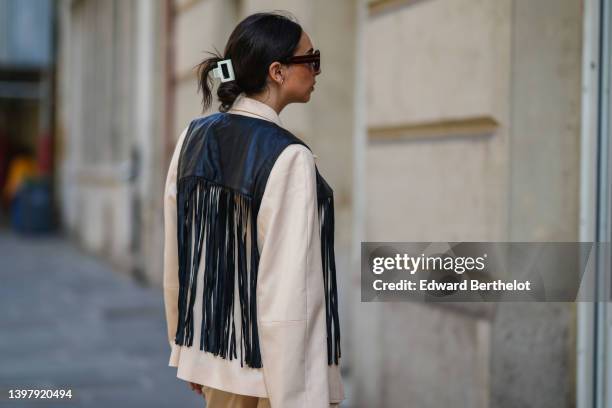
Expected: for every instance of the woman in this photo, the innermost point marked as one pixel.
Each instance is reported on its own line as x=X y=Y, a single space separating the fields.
x=252 y=325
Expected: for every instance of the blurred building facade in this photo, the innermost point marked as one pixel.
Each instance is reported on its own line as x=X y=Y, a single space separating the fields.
x=434 y=120
x=111 y=91
x=474 y=127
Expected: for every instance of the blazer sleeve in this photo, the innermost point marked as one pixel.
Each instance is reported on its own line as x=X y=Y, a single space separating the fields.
x=170 y=270
x=290 y=297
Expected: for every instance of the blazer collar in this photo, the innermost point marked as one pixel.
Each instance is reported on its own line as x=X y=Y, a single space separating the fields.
x=244 y=105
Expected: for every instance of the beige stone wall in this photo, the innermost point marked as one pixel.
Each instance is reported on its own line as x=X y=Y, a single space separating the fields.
x=473 y=113
x=438 y=98
x=544 y=201
x=95 y=118
x=199 y=26
x=445 y=186
x=110 y=130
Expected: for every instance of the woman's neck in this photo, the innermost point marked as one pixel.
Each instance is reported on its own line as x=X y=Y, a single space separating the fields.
x=271 y=99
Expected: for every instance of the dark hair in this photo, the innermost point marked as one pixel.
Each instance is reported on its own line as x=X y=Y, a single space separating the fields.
x=256 y=42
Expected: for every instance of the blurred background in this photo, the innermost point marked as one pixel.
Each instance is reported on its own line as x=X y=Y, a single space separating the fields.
x=434 y=120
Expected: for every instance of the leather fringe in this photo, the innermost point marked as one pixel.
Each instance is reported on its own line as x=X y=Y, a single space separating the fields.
x=204 y=206
x=326 y=221
x=217 y=217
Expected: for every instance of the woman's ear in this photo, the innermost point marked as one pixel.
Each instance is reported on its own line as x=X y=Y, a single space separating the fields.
x=276 y=72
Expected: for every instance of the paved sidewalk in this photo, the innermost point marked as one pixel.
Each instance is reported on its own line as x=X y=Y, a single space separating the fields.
x=69 y=322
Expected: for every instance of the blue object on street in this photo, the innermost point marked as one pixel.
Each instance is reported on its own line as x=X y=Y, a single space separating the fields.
x=32 y=207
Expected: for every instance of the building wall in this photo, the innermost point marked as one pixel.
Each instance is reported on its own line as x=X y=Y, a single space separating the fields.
x=534 y=345
x=107 y=132
x=473 y=116
x=198 y=27
x=151 y=134
x=97 y=209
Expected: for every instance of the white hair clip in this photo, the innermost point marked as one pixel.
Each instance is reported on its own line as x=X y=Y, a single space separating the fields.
x=224 y=70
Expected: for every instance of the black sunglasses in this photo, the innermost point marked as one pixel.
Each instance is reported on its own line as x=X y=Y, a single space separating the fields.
x=313 y=59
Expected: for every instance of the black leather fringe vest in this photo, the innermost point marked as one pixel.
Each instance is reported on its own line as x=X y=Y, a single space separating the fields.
x=223 y=168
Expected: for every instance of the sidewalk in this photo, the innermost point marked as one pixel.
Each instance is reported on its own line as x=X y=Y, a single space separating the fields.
x=69 y=322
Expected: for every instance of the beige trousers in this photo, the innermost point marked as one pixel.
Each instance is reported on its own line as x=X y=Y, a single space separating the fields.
x=216 y=398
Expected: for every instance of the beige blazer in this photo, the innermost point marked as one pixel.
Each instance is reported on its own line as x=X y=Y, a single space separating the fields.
x=290 y=290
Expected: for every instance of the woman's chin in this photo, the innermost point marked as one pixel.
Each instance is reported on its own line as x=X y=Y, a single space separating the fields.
x=305 y=97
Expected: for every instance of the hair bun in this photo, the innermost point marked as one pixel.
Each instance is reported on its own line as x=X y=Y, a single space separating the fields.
x=227 y=94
